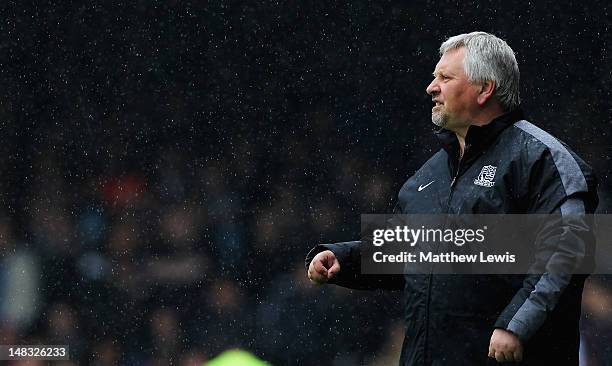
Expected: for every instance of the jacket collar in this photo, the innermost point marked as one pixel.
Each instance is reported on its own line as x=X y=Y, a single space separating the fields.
x=478 y=137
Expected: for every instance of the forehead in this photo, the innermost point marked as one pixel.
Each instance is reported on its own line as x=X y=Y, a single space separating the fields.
x=452 y=61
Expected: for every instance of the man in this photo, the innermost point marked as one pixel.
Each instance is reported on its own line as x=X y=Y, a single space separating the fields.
x=492 y=161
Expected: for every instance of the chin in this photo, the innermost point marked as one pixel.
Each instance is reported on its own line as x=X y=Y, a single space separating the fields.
x=439 y=120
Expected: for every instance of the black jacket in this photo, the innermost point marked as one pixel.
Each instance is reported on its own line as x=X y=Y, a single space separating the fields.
x=450 y=318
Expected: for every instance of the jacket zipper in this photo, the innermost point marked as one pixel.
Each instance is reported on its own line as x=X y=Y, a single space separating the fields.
x=452 y=185
x=450 y=196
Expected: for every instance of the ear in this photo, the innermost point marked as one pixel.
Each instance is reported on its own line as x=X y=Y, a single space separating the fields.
x=486 y=91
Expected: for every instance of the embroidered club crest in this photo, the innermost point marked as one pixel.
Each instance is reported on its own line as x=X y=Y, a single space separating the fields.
x=485 y=178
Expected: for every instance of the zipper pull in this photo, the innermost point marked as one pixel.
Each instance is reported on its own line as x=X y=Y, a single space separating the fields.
x=465 y=150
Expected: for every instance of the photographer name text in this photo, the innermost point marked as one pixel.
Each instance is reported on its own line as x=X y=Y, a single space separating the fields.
x=449 y=257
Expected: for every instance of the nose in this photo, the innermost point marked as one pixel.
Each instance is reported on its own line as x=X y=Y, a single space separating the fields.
x=433 y=87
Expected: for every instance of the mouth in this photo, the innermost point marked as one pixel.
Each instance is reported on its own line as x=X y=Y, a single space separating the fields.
x=437 y=104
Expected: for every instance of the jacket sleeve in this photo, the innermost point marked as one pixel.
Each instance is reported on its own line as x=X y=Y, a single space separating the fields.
x=350 y=276
x=564 y=244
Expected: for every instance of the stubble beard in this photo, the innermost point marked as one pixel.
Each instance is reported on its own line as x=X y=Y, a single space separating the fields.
x=439 y=118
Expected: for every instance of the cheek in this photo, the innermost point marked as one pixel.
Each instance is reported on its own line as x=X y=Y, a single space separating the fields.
x=450 y=91
x=449 y=97
x=462 y=99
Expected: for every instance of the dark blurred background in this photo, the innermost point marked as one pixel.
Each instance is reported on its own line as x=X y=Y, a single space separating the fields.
x=167 y=165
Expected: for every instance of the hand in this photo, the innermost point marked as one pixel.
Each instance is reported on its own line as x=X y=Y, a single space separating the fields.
x=505 y=346
x=323 y=267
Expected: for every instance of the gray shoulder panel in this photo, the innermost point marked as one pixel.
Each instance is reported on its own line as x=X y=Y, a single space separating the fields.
x=572 y=178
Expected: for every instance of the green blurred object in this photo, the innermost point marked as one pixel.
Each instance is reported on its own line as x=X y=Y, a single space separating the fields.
x=236 y=357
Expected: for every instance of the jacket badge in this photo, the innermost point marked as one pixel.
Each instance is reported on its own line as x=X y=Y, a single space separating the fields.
x=485 y=178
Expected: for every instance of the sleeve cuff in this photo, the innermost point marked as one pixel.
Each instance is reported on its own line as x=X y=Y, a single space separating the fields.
x=519 y=329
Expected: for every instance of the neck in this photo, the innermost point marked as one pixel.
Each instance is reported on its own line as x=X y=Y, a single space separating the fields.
x=483 y=117
x=460 y=133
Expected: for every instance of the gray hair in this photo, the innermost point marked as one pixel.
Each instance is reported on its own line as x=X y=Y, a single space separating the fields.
x=489 y=58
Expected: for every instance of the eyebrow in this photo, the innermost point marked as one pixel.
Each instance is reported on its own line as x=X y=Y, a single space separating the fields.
x=445 y=72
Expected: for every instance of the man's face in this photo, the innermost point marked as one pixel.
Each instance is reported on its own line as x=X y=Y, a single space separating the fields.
x=454 y=95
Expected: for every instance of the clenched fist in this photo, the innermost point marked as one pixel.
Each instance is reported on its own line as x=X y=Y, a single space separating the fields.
x=505 y=346
x=323 y=267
